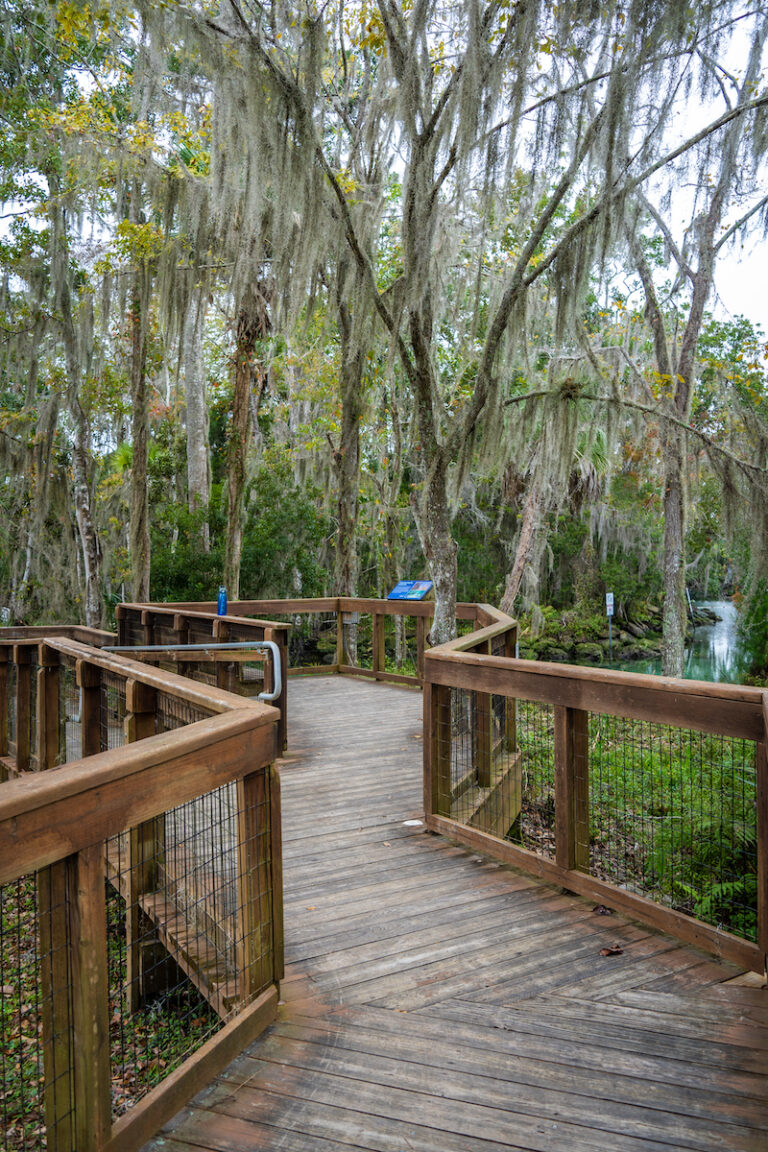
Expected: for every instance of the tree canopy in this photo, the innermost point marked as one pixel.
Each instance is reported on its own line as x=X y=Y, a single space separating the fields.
x=305 y=298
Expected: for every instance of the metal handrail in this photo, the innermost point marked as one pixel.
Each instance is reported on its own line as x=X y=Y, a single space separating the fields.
x=251 y=645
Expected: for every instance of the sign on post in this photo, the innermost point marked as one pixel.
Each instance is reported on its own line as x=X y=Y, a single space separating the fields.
x=411 y=590
x=609 y=614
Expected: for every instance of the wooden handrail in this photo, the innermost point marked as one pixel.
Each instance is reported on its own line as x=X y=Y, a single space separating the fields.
x=732 y=711
x=54 y=825
x=723 y=709
x=47 y=816
x=209 y=697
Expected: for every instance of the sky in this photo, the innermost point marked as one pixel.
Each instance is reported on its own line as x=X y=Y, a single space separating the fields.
x=742 y=284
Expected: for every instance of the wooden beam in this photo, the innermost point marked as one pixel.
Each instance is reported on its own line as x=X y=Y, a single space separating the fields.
x=90 y=1000
x=48 y=721
x=379 y=654
x=255 y=964
x=572 y=788
x=5 y=653
x=276 y=856
x=762 y=840
x=22 y=657
x=722 y=709
x=88 y=678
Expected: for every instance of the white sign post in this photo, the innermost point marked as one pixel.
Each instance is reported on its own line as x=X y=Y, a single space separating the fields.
x=609 y=614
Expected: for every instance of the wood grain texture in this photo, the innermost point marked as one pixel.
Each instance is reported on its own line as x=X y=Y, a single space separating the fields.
x=438 y=1001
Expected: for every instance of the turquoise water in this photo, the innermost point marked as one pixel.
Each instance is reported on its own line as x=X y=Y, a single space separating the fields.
x=715 y=652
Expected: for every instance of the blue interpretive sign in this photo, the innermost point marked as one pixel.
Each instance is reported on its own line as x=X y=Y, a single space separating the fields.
x=411 y=590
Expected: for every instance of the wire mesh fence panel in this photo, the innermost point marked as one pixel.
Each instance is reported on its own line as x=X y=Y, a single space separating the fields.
x=200 y=631
x=33 y=705
x=479 y=779
x=312 y=640
x=12 y=689
x=535 y=730
x=190 y=932
x=134 y=630
x=112 y=712
x=673 y=817
x=357 y=636
x=36 y=1104
x=70 y=720
x=240 y=632
x=171 y=712
x=21 y=1061
x=248 y=677
x=163 y=631
x=401 y=652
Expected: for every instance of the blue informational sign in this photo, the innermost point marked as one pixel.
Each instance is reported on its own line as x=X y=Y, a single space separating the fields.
x=411 y=590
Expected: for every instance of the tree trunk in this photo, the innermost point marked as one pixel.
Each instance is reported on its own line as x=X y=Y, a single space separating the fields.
x=252 y=325
x=673 y=641
x=198 y=456
x=89 y=541
x=433 y=514
x=138 y=528
x=346 y=460
x=526 y=546
x=346 y=466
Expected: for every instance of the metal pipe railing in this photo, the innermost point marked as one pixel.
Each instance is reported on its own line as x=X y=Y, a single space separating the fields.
x=250 y=645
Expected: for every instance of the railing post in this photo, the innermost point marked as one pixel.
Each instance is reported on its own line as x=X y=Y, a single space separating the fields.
x=379 y=649
x=276 y=841
x=146 y=969
x=49 y=730
x=223 y=671
x=482 y=732
x=437 y=750
x=88 y=678
x=572 y=788
x=340 y=654
x=510 y=703
x=422 y=628
x=4 y=703
x=761 y=768
x=22 y=657
x=147 y=624
x=181 y=636
x=73 y=952
x=90 y=1000
x=121 y=622
x=255 y=937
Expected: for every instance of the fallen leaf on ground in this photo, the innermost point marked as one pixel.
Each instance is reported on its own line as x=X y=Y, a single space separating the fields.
x=614 y=950
x=601 y=910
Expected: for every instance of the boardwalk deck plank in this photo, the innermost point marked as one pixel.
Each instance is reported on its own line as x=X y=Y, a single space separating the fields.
x=435 y=1001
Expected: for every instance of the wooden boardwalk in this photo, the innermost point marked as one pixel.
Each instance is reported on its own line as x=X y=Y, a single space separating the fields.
x=438 y=1002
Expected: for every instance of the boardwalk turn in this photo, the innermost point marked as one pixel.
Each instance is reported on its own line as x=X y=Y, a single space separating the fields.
x=438 y=1002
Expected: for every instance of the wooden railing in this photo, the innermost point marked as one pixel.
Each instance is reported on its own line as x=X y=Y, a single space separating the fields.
x=18 y=689
x=647 y=794
x=156 y=624
x=381 y=639
x=116 y=1011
